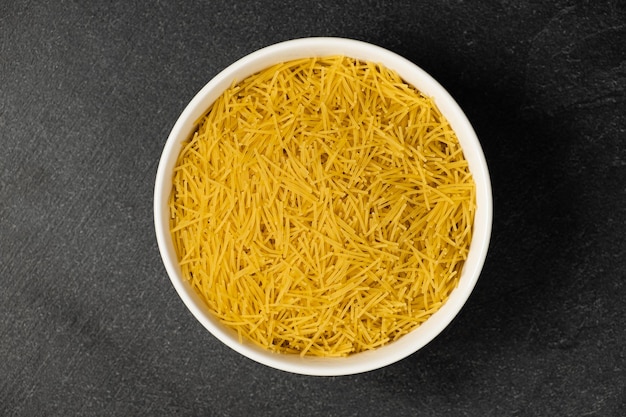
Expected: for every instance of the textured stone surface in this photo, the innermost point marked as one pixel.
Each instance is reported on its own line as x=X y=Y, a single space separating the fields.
x=89 y=322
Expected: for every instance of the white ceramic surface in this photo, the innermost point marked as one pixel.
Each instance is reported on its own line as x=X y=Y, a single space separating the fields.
x=310 y=47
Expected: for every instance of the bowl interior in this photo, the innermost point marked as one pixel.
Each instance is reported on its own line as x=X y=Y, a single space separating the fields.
x=316 y=47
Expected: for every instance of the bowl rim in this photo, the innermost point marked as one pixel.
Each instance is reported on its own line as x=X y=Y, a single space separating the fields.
x=413 y=74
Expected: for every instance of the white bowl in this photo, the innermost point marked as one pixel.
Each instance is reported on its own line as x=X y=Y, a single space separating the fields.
x=315 y=47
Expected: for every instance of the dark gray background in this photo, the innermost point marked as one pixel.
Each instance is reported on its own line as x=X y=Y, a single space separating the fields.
x=89 y=322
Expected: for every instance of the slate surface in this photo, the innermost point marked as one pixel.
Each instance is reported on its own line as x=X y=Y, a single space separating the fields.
x=89 y=322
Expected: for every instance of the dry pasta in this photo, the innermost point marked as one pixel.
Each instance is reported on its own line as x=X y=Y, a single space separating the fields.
x=322 y=207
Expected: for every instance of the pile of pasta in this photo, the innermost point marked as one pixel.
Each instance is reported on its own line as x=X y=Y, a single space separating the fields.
x=322 y=207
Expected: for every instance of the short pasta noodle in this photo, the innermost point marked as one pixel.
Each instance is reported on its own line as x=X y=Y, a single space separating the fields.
x=322 y=207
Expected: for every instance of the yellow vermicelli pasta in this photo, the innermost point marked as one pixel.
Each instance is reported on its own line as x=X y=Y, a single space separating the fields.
x=322 y=207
